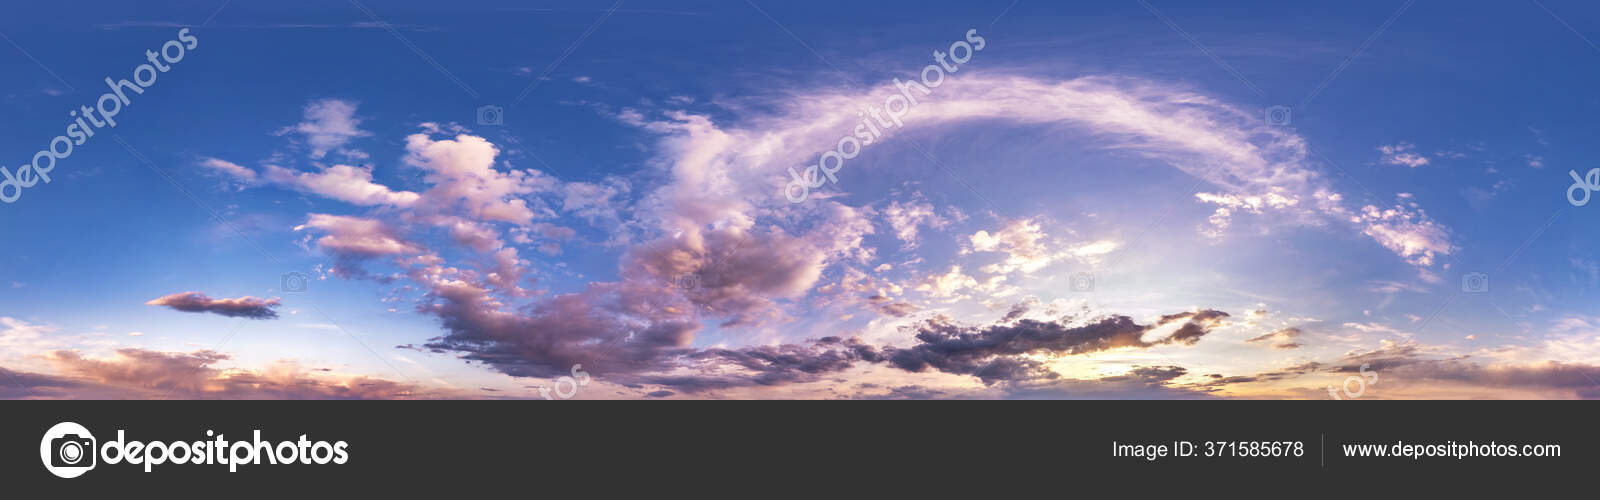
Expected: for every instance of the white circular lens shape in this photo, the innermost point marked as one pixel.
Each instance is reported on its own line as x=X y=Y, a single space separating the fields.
x=67 y=450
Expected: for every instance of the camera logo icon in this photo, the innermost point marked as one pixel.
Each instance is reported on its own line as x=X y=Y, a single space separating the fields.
x=490 y=114
x=1082 y=282
x=294 y=282
x=688 y=282
x=1279 y=115
x=68 y=450
x=1474 y=283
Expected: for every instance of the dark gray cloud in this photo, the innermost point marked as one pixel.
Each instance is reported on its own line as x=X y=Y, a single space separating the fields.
x=770 y=365
x=242 y=307
x=1280 y=339
x=993 y=353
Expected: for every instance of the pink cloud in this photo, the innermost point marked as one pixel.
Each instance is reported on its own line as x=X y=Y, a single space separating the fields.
x=242 y=307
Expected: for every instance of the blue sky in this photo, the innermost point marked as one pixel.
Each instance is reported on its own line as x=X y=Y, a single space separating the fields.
x=627 y=214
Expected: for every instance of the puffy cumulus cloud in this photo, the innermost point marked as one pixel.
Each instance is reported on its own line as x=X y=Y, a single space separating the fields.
x=329 y=124
x=611 y=328
x=740 y=272
x=1004 y=352
x=854 y=289
x=341 y=182
x=1406 y=230
x=1283 y=338
x=1023 y=243
x=953 y=285
x=480 y=237
x=352 y=240
x=947 y=284
x=242 y=307
x=153 y=369
x=132 y=373
x=463 y=178
x=1403 y=154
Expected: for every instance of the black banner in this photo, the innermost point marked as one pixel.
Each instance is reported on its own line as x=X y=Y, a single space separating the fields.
x=526 y=446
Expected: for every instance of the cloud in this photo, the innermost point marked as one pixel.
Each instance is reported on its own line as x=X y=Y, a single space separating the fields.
x=1403 y=154
x=1408 y=369
x=999 y=353
x=19 y=337
x=1023 y=243
x=1279 y=339
x=341 y=182
x=242 y=307
x=1140 y=382
x=754 y=257
x=905 y=218
x=464 y=179
x=773 y=365
x=234 y=170
x=132 y=373
x=354 y=239
x=1405 y=230
x=329 y=124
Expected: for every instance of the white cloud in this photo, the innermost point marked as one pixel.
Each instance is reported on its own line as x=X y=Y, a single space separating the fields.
x=462 y=173
x=230 y=169
x=1402 y=154
x=1023 y=243
x=1407 y=231
x=906 y=217
x=357 y=236
x=344 y=183
x=329 y=124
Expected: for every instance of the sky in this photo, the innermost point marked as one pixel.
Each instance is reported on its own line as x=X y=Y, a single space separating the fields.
x=623 y=200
